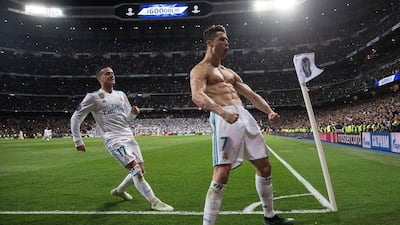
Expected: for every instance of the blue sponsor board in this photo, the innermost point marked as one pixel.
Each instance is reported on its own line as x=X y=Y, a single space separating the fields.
x=366 y=140
x=349 y=139
x=381 y=141
x=395 y=141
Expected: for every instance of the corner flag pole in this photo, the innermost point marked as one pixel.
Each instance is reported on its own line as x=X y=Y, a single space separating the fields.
x=321 y=153
x=306 y=70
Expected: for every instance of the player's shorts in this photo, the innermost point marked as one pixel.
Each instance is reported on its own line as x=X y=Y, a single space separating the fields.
x=231 y=143
x=126 y=151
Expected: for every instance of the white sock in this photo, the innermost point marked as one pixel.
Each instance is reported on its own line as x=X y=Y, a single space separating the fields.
x=213 y=203
x=266 y=195
x=123 y=186
x=142 y=186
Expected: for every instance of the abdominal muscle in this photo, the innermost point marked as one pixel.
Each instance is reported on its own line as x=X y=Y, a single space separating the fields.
x=223 y=94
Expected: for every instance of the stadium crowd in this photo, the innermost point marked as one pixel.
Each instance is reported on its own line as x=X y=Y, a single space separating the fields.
x=30 y=54
x=347 y=35
x=44 y=94
x=42 y=80
x=379 y=114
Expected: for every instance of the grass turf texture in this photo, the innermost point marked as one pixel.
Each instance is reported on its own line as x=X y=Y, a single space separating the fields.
x=37 y=175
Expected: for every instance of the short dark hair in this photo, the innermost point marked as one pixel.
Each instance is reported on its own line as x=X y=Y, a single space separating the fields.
x=209 y=33
x=98 y=72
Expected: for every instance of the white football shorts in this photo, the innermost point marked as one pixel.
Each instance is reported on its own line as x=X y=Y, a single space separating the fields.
x=126 y=151
x=231 y=143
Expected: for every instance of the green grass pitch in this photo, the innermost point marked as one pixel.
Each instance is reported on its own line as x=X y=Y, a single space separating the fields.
x=50 y=183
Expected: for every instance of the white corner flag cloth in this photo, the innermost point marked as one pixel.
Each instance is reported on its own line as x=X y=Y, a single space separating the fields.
x=305 y=67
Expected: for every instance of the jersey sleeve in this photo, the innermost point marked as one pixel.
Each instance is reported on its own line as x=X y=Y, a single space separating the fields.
x=85 y=107
x=127 y=108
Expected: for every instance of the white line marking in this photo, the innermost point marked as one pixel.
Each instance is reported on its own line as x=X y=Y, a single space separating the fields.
x=306 y=184
x=292 y=196
x=181 y=213
x=254 y=205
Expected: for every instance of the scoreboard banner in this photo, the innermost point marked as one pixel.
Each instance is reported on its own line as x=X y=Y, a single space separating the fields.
x=152 y=10
x=163 y=10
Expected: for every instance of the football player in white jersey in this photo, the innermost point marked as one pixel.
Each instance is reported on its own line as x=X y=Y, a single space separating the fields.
x=47 y=134
x=112 y=112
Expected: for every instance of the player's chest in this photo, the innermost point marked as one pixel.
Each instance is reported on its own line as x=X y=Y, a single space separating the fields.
x=109 y=101
x=220 y=75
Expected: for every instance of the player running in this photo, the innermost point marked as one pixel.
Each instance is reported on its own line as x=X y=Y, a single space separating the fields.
x=47 y=134
x=112 y=112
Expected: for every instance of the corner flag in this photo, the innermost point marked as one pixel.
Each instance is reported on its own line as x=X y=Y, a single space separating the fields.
x=305 y=67
x=306 y=71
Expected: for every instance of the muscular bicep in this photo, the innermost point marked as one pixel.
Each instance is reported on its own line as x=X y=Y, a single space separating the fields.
x=242 y=88
x=198 y=82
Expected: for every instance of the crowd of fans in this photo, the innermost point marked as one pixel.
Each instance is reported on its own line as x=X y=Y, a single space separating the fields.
x=350 y=31
x=378 y=114
x=44 y=94
x=32 y=55
x=43 y=80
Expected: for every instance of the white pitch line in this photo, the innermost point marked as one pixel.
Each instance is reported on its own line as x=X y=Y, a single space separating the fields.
x=249 y=210
x=306 y=184
x=254 y=205
x=180 y=213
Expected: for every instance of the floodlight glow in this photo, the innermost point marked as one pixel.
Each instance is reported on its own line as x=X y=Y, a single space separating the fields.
x=264 y=5
x=284 y=4
x=38 y=10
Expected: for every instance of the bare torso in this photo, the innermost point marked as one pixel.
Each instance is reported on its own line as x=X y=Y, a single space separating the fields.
x=220 y=85
x=214 y=86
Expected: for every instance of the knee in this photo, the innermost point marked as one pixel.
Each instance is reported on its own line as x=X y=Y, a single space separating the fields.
x=141 y=165
x=224 y=174
x=221 y=174
x=130 y=165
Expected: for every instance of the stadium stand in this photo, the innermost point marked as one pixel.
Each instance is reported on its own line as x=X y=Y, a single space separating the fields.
x=47 y=66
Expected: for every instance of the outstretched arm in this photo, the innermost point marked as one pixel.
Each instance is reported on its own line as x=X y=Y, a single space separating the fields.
x=255 y=99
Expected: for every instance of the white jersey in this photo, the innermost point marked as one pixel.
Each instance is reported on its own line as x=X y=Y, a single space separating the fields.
x=112 y=113
x=47 y=132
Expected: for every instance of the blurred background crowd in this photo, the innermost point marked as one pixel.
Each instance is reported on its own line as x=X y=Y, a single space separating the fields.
x=46 y=68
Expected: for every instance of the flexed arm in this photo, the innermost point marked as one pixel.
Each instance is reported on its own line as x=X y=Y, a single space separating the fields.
x=255 y=99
